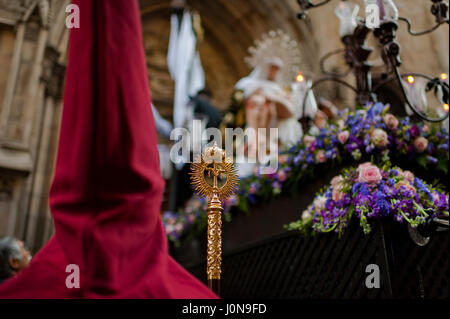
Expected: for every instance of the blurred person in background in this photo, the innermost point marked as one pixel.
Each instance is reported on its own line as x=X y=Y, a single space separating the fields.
x=14 y=257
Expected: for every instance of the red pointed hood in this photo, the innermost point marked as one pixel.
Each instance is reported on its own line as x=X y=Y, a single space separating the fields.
x=107 y=189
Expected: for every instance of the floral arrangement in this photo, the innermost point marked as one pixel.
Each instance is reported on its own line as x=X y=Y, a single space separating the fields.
x=368 y=133
x=369 y=192
x=192 y=217
x=371 y=132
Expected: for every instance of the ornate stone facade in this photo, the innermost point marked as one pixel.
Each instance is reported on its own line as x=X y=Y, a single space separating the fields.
x=33 y=44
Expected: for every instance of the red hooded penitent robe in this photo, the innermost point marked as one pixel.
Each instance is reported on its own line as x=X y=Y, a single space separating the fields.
x=107 y=189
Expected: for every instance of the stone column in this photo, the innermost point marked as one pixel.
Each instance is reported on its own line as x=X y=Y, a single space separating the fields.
x=12 y=78
x=38 y=189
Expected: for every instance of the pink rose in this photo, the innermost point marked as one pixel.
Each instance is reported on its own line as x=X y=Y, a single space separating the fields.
x=363 y=165
x=390 y=121
x=309 y=140
x=421 y=144
x=231 y=201
x=169 y=229
x=253 y=189
x=336 y=185
x=281 y=176
x=282 y=159
x=409 y=176
x=426 y=129
x=336 y=181
x=379 y=137
x=343 y=136
x=178 y=227
x=406 y=185
x=337 y=195
x=320 y=157
x=369 y=174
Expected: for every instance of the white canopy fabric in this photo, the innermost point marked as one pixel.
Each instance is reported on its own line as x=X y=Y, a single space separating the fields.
x=184 y=65
x=162 y=126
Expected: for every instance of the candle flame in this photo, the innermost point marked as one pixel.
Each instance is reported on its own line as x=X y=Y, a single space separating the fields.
x=445 y=107
x=300 y=78
x=411 y=79
x=444 y=76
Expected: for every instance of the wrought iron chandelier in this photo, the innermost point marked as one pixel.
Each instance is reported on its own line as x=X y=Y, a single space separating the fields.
x=354 y=31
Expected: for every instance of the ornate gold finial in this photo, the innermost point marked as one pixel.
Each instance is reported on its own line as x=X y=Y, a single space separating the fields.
x=213 y=163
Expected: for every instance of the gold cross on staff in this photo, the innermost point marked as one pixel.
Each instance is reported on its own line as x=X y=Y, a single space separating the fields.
x=216 y=171
x=214 y=163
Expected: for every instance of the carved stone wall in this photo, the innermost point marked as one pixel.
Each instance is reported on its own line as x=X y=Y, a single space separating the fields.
x=33 y=42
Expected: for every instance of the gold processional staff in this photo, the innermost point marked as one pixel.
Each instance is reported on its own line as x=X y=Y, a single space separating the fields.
x=214 y=164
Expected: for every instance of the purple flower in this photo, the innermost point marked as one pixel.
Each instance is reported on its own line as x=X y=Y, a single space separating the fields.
x=254 y=188
x=443 y=147
x=276 y=185
x=442 y=203
x=319 y=143
x=432 y=160
x=356 y=188
x=297 y=160
x=423 y=188
x=351 y=147
x=375 y=110
x=406 y=121
x=370 y=148
x=251 y=198
x=414 y=131
x=364 y=189
x=393 y=172
x=407 y=135
x=430 y=147
x=381 y=207
x=331 y=153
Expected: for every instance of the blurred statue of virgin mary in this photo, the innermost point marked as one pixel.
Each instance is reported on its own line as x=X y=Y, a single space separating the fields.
x=269 y=93
x=268 y=103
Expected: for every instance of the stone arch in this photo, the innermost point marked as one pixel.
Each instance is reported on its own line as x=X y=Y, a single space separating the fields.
x=230 y=27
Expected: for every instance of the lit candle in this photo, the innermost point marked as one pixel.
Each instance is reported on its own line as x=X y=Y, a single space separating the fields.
x=416 y=93
x=300 y=88
x=440 y=95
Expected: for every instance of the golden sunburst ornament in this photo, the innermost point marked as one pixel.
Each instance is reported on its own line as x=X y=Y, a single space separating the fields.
x=214 y=164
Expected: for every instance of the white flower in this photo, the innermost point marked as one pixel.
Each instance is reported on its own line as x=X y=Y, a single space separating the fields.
x=306 y=215
x=319 y=203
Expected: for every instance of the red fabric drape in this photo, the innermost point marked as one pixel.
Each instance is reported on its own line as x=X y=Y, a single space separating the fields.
x=107 y=189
